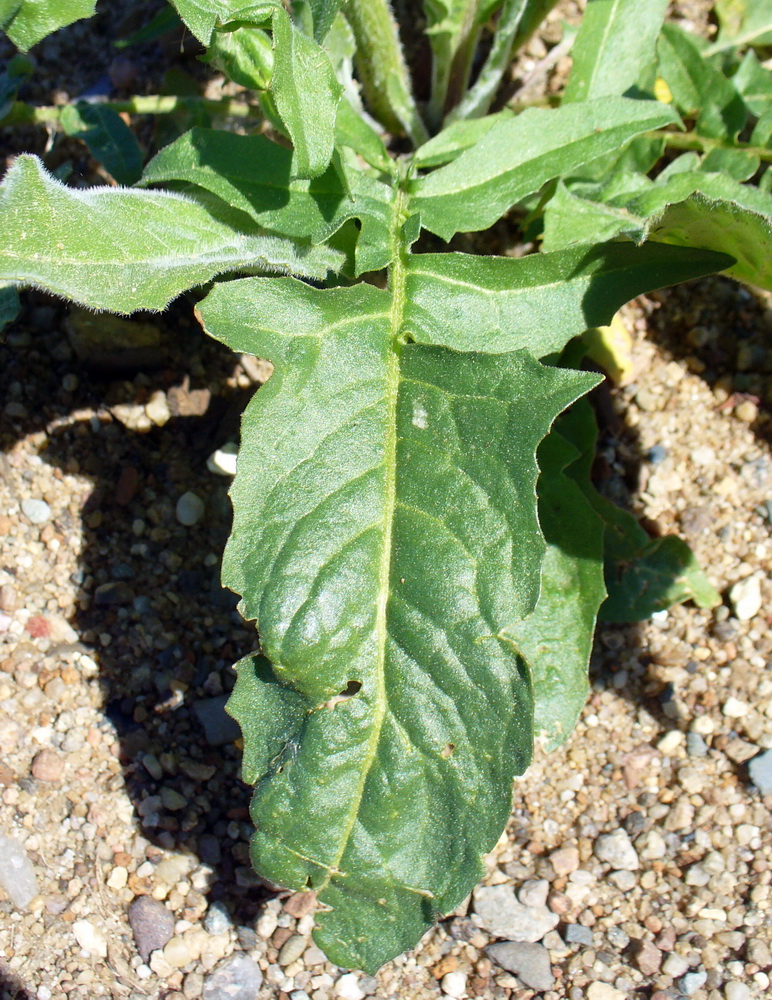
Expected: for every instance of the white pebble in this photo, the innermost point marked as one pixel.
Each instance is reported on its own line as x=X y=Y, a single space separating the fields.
x=737 y=991
x=745 y=597
x=36 y=511
x=733 y=708
x=17 y=876
x=90 y=938
x=670 y=742
x=190 y=509
x=223 y=461
x=454 y=984
x=348 y=988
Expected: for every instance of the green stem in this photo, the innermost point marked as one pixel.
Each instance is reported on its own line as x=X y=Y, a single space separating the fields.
x=382 y=68
x=152 y=104
x=452 y=56
x=703 y=144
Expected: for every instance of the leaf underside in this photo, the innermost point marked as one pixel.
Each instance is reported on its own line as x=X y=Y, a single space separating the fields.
x=385 y=532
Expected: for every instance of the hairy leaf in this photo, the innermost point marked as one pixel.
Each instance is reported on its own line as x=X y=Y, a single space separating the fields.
x=245 y=55
x=455 y=138
x=537 y=303
x=254 y=175
x=108 y=137
x=698 y=88
x=324 y=13
x=124 y=250
x=613 y=47
x=26 y=22
x=518 y=156
x=556 y=638
x=204 y=16
x=385 y=532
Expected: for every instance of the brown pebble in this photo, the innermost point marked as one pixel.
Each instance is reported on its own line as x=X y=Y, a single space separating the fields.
x=559 y=903
x=648 y=958
x=565 y=860
x=5 y=524
x=127 y=485
x=47 y=766
x=7 y=597
x=666 y=940
x=6 y=775
x=152 y=924
x=280 y=935
x=300 y=903
x=449 y=963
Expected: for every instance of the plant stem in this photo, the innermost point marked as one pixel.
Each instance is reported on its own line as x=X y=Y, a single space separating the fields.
x=703 y=144
x=452 y=55
x=152 y=104
x=382 y=68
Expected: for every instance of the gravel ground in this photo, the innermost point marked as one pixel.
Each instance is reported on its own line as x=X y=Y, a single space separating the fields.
x=637 y=859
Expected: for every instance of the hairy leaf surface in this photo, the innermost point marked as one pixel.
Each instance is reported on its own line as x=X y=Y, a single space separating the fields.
x=26 y=22
x=539 y=302
x=385 y=532
x=125 y=250
x=254 y=175
x=556 y=638
x=518 y=156
x=613 y=47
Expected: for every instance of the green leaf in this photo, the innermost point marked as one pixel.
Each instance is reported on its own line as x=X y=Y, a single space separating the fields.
x=254 y=175
x=17 y=71
x=698 y=88
x=571 y=220
x=537 y=303
x=28 y=21
x=124 y=250
x=754 y=84
x=108 y=137
x=643 y=574
x=613 y=47
x=245 y=55
x=519 y=156
x=457 y=137
x=167 y=19
x=10 y=307
x=737 y=163
x=324 y=13
x=353 y=131
x=556 y=639
x=385 y=531
x=204 y=16
x=743 y=22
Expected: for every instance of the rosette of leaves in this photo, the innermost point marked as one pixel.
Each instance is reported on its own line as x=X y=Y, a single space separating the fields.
x=415 y=529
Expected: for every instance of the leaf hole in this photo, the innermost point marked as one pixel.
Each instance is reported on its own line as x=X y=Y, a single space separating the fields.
x=448 y=749
x=350 y=690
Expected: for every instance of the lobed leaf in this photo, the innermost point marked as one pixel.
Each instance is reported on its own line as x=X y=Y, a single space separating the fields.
x=518 y=156
x=385 y=532
x=254 y=175
x=537 y=303
x=124 y=250
x=613 y=47
x=26 y=22
x=556 y=638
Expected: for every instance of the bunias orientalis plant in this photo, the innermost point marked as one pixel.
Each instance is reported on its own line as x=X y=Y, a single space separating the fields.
x=415 y=529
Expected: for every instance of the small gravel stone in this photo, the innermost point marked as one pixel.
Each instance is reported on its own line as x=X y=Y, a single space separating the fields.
x=675 y=965
x=603 y=991
x=172 y=800
x=36 y=511
x=529 y=962
x=348 y=988
x=696 y=745
x=691 y=982
x=218 y=919
x=7 y=597
x=735 y=990
x=118 y=878
x=235 y=978
x=292 y=949
x=617 y=850
x=17 y=876
x=745 y=598
x=47 y=766
x=760 y=771
x=90 y=938
x=577 y=934
x=565 y=860
x=209 y=849
x=223 y=461
x=534 y=892
x=670 y=742
x=733 y=708
x=177 y=952
x=152 y=925
x=502 y=915
x=219 y=727
x=454 y=984
x=190 y=509
x=648 y=958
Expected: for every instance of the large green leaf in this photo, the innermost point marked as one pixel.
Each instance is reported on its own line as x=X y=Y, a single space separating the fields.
x=204 y=16
x=556 y=638
x=643 y=574
x=698 y=88
x=385 y=532
x=518 y=156
x=125 y=250
x=537 y=302
x=254 y=175
x=108 y=137
x=614 y=45
x=690 y=209
x=26 y=22
x=743 y=22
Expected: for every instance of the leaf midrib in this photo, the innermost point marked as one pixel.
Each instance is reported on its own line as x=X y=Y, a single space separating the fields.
x=379 y=698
